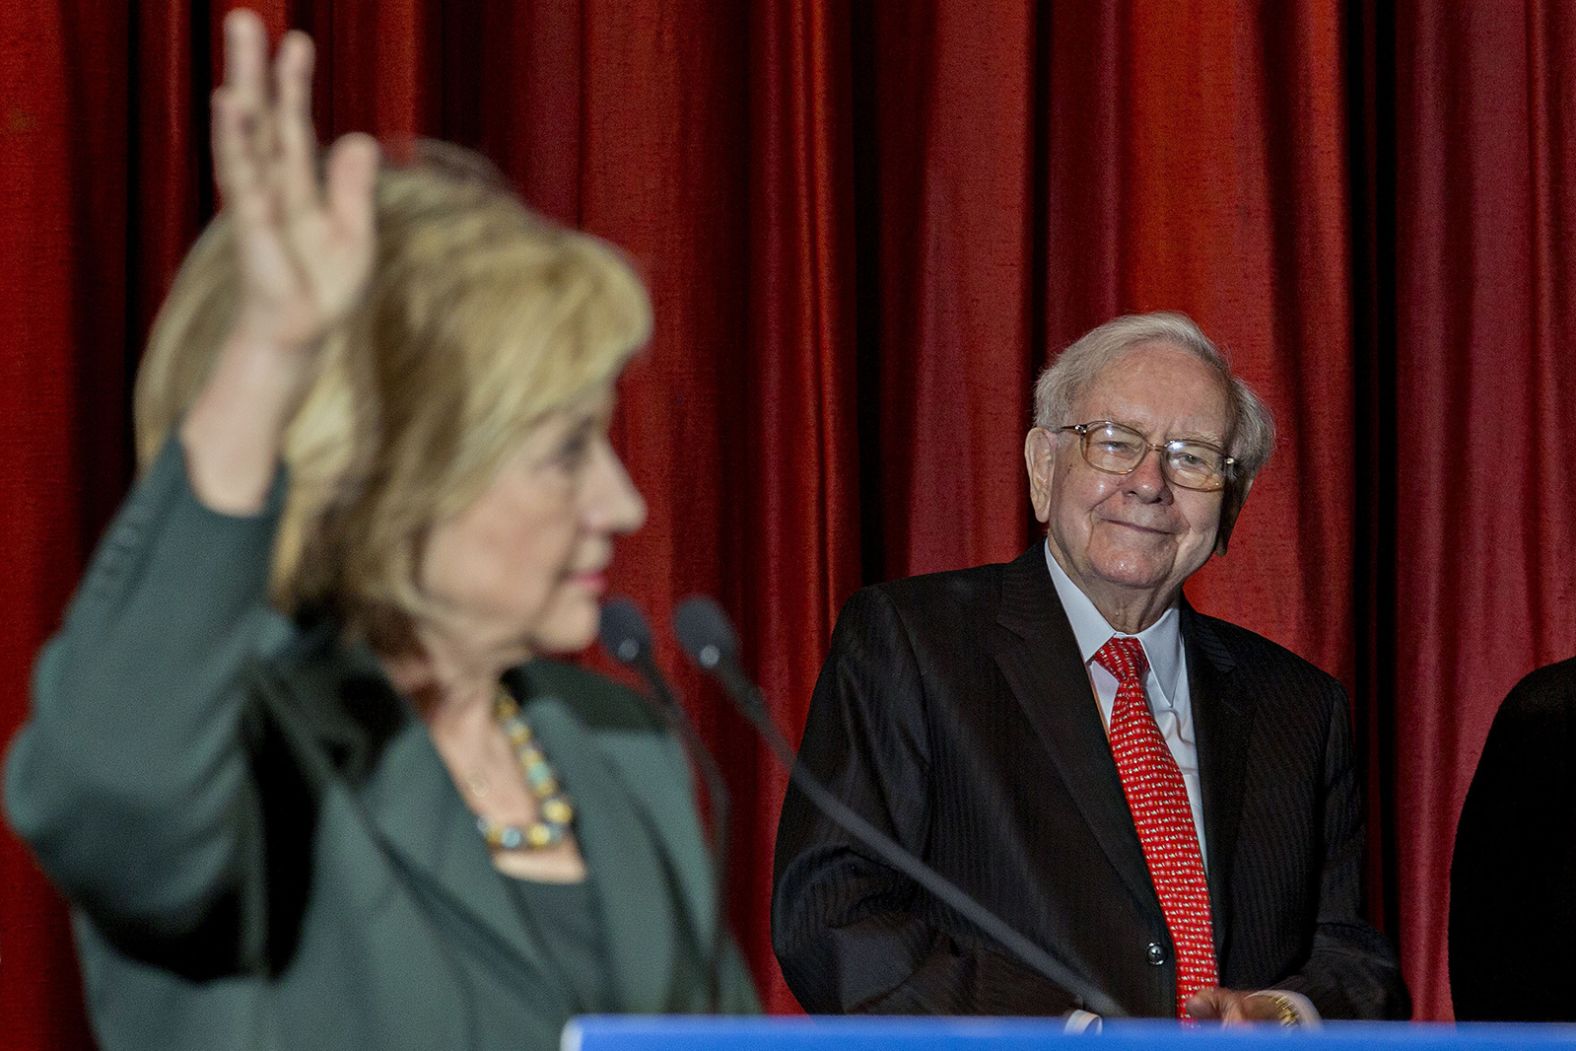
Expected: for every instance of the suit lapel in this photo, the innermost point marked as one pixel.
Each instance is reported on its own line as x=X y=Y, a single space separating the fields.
x=1223 y=714
x=385 y=754
x=1039 y=658
x=627 y=870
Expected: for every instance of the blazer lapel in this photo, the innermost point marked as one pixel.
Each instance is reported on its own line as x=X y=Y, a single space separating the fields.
x=1039 y=657
x=384 y=753
x=627 y=871
x=1223 y=714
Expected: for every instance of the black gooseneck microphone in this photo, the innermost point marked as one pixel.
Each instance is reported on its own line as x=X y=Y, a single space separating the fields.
x=706 y=636
x=626 y=637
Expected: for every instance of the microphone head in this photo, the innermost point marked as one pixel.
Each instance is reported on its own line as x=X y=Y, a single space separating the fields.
x=704 y=632
x=623 y=630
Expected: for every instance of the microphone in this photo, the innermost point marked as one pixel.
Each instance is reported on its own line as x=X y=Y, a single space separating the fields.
x=709 y=640
x=626 y=637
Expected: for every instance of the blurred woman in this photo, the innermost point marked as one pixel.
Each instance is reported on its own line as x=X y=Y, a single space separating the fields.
x=293 y=756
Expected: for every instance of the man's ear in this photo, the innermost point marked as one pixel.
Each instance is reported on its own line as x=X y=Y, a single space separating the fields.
x=1039 y=457
x=1235 y=495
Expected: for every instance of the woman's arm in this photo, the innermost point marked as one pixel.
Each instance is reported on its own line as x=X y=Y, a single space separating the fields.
x=131 y=779
x=303 y=250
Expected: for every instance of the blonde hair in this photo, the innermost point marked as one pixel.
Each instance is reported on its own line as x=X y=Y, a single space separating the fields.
x=480 y=318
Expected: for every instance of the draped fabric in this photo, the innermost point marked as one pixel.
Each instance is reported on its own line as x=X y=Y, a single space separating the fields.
x=866 y=226
x=1484 y=574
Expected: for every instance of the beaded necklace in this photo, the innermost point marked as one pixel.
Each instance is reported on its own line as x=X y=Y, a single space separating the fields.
x=555 y=813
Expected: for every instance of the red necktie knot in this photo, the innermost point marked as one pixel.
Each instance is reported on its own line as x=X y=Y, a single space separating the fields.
x=1123 y=656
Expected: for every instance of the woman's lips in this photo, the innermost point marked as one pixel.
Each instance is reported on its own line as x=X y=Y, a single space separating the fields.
x=592 y=580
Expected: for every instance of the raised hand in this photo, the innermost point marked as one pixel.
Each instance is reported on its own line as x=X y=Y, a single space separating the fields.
x=304 y=247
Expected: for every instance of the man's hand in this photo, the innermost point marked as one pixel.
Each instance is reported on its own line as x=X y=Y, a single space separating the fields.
x=1235 y=1007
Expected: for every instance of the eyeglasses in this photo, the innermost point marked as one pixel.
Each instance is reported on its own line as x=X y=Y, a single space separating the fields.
x=1114 y=449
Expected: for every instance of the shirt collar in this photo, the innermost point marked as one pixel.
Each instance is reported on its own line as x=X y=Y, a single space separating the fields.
x=1162 y=640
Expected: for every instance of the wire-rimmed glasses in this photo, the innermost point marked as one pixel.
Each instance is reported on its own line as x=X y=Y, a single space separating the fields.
x=1114 y=448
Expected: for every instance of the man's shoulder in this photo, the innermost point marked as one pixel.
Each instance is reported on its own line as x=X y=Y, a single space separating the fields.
x=1254 y=654
x=1541 y=705
x=1551 y=688
x=953 y=585
x=934 y=598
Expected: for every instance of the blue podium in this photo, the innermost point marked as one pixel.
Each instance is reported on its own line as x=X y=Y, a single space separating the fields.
x=1011 y=1034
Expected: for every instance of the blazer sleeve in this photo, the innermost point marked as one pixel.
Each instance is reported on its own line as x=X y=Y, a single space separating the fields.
x=852 y=934
x=130 y=778
x=1351 y=970
x=736 y=993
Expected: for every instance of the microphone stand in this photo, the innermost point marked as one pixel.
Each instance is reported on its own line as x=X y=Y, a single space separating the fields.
x=627 y=638
x=708 y=639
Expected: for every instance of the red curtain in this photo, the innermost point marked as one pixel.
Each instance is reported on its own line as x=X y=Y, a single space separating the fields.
x=1485 y=379
x=865 y=227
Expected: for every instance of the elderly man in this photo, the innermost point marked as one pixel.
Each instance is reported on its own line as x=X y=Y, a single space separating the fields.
x=1164 y=800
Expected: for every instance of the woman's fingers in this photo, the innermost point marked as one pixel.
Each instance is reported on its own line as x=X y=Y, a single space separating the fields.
x=352 y=173
x=304 y=243
x=245 y=42
x=236 y=169
x=293 y=165
x=239 y=115
x=245 y=83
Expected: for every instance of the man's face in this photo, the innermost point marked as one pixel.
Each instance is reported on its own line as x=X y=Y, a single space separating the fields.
x=1131 y=540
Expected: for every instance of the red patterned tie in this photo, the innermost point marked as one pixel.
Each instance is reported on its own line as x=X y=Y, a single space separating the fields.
x=1157 y=798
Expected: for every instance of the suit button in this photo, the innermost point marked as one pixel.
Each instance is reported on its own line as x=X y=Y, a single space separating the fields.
x=1155 y=954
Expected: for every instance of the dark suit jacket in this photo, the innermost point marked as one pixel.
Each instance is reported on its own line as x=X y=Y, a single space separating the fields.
x=954 y=712
x=263 y=849
x=1513 y=878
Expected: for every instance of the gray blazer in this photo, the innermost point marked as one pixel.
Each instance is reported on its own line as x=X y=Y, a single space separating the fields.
x=264 y=850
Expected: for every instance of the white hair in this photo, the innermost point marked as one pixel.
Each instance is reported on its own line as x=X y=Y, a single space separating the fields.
x=1252 y=427
x=1252 y=433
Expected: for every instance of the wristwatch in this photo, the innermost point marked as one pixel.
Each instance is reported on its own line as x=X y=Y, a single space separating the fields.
x=1287 y=1013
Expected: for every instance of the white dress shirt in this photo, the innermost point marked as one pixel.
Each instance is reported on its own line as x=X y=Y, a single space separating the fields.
x=1165 y=682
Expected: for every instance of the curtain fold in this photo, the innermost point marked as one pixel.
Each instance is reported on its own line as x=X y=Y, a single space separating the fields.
x=866 y=227
x=1485 y=578
x=1198 y=163
x=63 y=307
